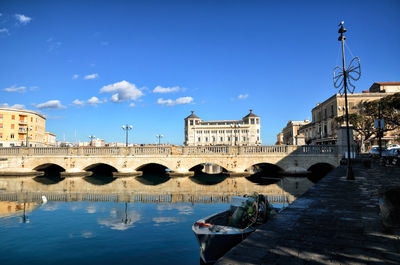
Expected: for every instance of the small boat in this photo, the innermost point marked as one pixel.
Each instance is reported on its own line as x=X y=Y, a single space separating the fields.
x=220 y=232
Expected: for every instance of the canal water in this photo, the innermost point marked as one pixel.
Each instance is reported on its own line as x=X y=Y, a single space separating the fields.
x=99 y=220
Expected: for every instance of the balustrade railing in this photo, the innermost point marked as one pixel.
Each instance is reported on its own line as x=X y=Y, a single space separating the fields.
x=151 y=150
x=170 y=150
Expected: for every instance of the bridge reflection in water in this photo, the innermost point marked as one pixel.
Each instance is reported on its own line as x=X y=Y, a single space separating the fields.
x=148 y=189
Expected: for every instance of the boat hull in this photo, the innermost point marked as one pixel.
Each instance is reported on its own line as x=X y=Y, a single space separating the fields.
x=214 y=246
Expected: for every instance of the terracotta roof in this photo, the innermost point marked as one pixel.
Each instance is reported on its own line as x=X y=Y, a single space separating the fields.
x=192 y=116
x=388 y=83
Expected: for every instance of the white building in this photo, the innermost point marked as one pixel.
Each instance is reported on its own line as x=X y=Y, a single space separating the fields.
x=240 y=132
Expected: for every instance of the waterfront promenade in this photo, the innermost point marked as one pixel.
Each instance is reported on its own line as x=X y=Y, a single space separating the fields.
x=335 y=222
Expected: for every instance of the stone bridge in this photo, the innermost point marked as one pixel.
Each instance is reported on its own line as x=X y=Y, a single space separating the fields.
x=180 y=160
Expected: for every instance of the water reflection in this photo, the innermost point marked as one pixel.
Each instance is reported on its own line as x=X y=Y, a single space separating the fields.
x=153 y=179
x=121 y=219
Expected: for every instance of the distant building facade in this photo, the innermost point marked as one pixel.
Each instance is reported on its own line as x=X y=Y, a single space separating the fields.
x=291 y=135
x=19 y=127
x=50 y=139
x=238 y=132
x=323 y=128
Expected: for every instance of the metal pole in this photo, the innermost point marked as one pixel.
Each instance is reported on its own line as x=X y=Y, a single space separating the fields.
x=127 y=128
x=350 y=174
x=379 y=130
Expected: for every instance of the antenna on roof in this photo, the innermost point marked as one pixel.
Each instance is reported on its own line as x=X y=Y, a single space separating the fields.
x=251 y=111
x=192 y=111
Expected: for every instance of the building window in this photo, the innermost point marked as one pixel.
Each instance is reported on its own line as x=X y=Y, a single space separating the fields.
x=12 y=126
x=1 y=125
x=12 y=136
x=1 y=116
x=236 y=138
x=191 y=122
x=198 y=139
x=258 y=121
x=258 y=130
x=1 y=135
x=332 y=114
x=229 y=138
x=13 y=117
x=206 y=139
x=244 y=139
x=213 y=139
x=252 y=121
x=222 y=139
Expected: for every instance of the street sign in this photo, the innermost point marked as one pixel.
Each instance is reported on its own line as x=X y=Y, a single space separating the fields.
x=379 y=124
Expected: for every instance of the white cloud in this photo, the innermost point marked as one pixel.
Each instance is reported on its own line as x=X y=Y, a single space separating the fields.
x=15 y=106
x=242 y=96
x=132 y=104
x=123 y=91
x=22 y=19
x=160 y=89
x=4 y=30
x=92 y=76
x=94 y=101
x=33 y=88
x=14 y=88
x=51 y=104
x=178 y=101
x=78 y=103
x=75 y=76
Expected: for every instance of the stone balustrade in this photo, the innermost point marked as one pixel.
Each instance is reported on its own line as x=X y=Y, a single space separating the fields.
x=167 y=150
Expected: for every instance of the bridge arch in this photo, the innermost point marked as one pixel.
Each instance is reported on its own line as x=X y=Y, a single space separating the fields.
x=152 y=164
x=211 y=166
x=102 y=165
x=46 y=166
x=319 y=170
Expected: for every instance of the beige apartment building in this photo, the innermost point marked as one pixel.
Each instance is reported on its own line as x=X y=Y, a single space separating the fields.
x=238 y=132
x=21 y=127
x=323 y=128
x=290 y=134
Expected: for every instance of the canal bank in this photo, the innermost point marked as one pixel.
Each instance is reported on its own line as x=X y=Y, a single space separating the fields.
x=336 y=222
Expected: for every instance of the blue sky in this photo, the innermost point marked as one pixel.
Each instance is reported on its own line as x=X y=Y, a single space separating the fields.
x=91 y=66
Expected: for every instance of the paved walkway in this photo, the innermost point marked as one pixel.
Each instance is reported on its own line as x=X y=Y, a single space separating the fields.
x=335 y=222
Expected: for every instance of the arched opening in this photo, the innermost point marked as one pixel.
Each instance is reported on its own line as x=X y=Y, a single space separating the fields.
x=208 y=174
x=264 y=173
x=102 y=174
x=318 y=171
x=51 y=173
x=153 y=174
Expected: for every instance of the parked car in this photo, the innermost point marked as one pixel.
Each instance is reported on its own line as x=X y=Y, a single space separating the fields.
x=392 y=156
x=391 y=146
x=374 y=152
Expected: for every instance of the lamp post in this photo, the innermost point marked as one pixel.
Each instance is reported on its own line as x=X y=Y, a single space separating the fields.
x=91 y=137
x=234 y=127
x=159 y=136
x=127 y=128
x=341 y=79
x=27 y=134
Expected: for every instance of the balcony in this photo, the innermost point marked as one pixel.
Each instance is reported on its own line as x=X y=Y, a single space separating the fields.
x=22 y=122
x=22 y=131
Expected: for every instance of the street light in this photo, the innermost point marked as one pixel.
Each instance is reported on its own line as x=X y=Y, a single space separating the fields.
x=234 y=126
x=27 y=134
x=341 y=79
x=159 y=136
x=127 y=128
x=91 y=137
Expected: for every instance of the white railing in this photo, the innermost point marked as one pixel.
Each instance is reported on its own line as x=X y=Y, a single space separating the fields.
x=151 y=150
x=170 y=150
x=264 y=149
x=197 y=150
x=110 y=151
